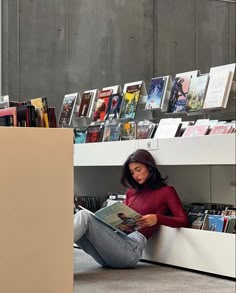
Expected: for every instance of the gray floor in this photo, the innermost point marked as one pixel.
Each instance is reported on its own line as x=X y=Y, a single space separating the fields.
x=145 y=278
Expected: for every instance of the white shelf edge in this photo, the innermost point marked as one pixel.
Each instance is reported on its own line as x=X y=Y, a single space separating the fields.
x=200 y=150
x=205 y=251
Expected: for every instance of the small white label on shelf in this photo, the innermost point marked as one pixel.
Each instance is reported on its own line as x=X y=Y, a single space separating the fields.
x=148 y=144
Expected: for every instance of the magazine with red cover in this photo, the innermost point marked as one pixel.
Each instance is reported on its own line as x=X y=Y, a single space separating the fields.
x=85 y=104
x=94 y=133
x=101 y=105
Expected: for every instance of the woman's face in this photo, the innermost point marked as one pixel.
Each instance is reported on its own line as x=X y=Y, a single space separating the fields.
x=139 y=172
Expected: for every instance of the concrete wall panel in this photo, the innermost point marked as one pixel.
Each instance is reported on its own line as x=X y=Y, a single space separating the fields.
x=215 y=35
x=110 y=42
x=56 y=47
x=43 y=49
x=176 y=40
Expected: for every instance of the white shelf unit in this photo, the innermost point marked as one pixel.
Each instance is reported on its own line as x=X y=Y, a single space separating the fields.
x=36 y=211
x=199 y=150
x=200 y=167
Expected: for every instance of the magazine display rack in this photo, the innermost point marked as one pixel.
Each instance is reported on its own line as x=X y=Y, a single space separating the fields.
x=210 y=177
x=36 y=210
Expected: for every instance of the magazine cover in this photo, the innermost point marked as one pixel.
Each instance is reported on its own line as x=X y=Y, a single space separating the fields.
x=111 y=131
x=145 y=129
x=85 y=104
x=197 y=92
x=79 y=135
x=130 y=101
x=119 y=217
x=67 y=109
x=196 y=130
x=213 y=223
x=156 y=92
x=128 y=130
x=94 y=133
x=114 y=107
x=178 y=94
x=101 y=105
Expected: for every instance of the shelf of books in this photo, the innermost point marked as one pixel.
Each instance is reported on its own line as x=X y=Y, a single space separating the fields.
x=206 y=251
x=36 y=210
x=160 y=121
x=199 y=150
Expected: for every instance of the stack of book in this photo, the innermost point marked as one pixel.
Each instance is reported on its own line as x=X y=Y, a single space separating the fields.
x=30 y=113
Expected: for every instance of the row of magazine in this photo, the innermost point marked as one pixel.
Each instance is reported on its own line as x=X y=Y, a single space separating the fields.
x=113 y=130
x=212 y=217
x=205 y=216
x=186 y=92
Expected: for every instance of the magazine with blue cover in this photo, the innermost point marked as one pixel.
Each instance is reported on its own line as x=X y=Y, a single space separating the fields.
x=156 y=92
x=214 y=223
x=119 y=217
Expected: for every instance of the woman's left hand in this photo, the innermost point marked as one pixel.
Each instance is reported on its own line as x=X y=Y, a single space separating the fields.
x=147 y=220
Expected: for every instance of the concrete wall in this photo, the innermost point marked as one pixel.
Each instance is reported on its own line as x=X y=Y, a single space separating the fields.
x=56 y=47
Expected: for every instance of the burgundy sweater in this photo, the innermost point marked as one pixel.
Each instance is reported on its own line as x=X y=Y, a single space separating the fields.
x=163 y=202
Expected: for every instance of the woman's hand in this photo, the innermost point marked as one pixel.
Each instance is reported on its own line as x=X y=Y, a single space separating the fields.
x=147 y=220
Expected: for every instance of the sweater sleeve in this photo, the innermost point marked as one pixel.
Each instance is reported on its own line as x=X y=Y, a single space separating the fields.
x=178 y=217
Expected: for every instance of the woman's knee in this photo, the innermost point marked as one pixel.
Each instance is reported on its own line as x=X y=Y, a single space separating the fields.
x=82 y=216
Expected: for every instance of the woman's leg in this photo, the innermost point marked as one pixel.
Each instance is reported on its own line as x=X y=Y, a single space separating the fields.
x=107 y=247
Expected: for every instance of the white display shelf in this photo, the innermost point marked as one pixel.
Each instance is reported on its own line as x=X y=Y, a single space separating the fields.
x=103 y=153
x=200 y=150
x=206 y=251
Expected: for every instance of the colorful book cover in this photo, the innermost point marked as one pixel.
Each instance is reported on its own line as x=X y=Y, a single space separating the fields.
x=197 y=92
x=196 y=130
x=119 y=217
x=114 y=106
x=85 y=104
x=79 y=135
x=178 y=94
x=130 y=101
x=156 y=92
x=195 y=212
x=213 y=223
x=101 y=105
x=128 y=130
x=41 y=108
x=94 y=133
x=111 y=131
x=67 y=109
x=144 y=129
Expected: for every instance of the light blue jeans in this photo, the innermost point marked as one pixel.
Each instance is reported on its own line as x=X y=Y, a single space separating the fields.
x=108 y=248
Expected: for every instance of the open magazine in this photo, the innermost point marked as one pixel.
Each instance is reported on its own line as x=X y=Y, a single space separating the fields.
x=118 y=216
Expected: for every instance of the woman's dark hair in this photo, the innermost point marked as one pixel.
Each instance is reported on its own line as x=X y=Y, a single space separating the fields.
x=154 y=180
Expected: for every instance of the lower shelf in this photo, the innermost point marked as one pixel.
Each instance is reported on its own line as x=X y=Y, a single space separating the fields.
x=200 y=250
